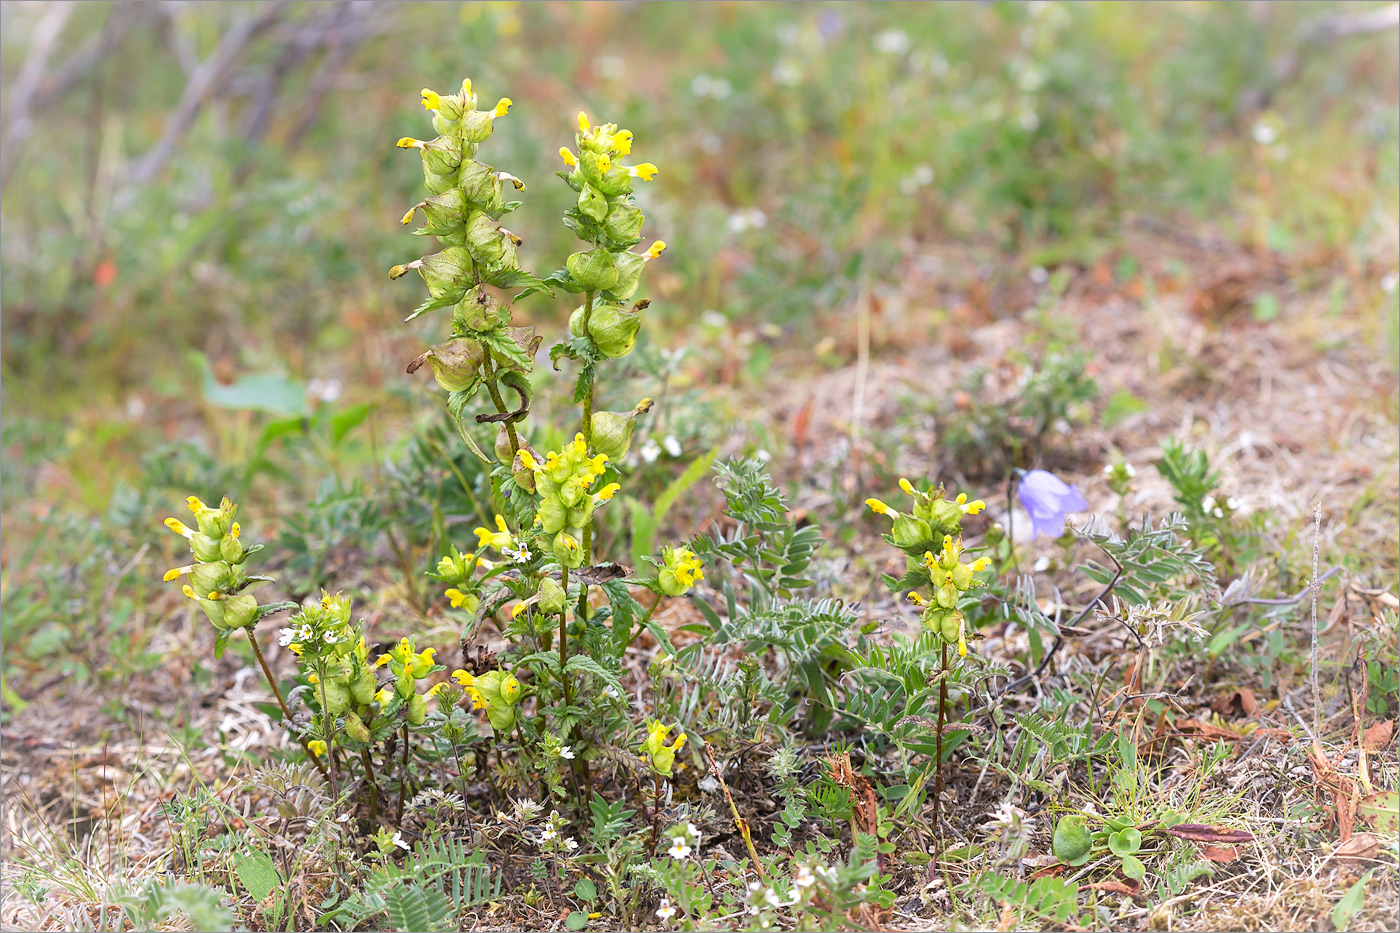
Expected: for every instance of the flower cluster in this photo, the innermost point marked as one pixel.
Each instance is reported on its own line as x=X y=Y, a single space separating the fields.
x=497 y=692
x=680 y=570
x=334 y=655
x=407 y=667
x=930 y=520
x=606 y=218
x=566 y=506
x=655 y=750
x=458 y=571
x=950 y=578
x=685 y=839
x=217 y=577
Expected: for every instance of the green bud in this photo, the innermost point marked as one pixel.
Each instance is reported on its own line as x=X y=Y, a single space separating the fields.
x=502 y=718
x=240 y=611
x=962 y=576
x=567 y=550
x=438 y=184
x=551 y=596
x=232 y=550
x=442 y=156
x=336 y=696
x=479 y=311
x=591 y=202
x=356 y=727
x=613 y=329
x=445 y=213
x=214 y=612
x=363 y=687
x=593 y=270
x=629 y=275
x=405 y=684
x=611 y=431
x=945 y=516
x=205 y=578
x=477 y=125
x=489 y=244
x=552 y=515
x=623 y=225
x=910 y=532
x=455 y=363
x=481 y=188
x=416 y=710
x=206 y=548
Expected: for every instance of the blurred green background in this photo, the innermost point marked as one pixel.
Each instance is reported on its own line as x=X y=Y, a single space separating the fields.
x=200 y=202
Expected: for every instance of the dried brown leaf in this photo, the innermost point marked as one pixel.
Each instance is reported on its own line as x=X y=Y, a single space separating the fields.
x=1200 y=832
x=1377 y=736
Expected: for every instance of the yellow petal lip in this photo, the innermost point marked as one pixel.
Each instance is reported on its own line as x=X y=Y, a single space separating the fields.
x=583 y=124
x=408 y=217
x=502 y=106
x=431 y=100
x=907 y=486
x=568 y=156
x=407 y=142
x=656 y=249
x=878 y=507
x=646 y=171
x=173 y=573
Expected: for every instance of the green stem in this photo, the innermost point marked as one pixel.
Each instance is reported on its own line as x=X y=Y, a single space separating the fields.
x=938 y=778
x=563 y=638
x=368 y=762
x=588 y=431
x=277 y=692
x=327 y=733
x=500 y=404
x=403 y=780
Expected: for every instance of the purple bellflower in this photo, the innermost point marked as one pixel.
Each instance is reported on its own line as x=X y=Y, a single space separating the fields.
x=1048 y=499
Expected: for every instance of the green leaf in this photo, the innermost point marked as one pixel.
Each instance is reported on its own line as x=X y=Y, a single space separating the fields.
x=1350 y=903
x=259 y=875
x=586 y=889
x=268 y=392
x=220 y=644
x=1071 y=841
x=1133 y=867
x=1124 y=842
x=1121 y=406
x=576 y=920
x=343 y=422
x=1265 y=306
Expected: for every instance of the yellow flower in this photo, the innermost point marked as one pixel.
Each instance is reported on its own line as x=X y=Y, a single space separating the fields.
x=518 y=611
x=408 y=217
x=567 y=155
x=622 y=142
x=608 y=491
x=582 y=122
x=981 y=563
x=318 y=748
x=179 y=527
x=235 y=531
x=435 y=689
x=656 y=249
x=974 y=507
x=456 y=597
x=463 y=678
x=604 y=164
x=917 y=599
x=645 y=171
x=501 y=538
x=408 y=142
x=502 y=107
x=879 y=508
x=312 y=678
x=177 y=571
x=383 y=696
x=906 y=485
x=431 y=100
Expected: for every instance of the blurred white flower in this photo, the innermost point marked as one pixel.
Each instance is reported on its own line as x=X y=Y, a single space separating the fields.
x=787 y=74
x=892 y=42
x=650 y=450
x=679 y=849
x=804 y=877
x=566 y=751
x=702 y=85
x=1389 y=282
x=921 y=177
x=671 y=445
x=610 y=66
x=1265 y=133
x=749 y=219
x=399 y=841
x=1039 y=275
x=325 y=390
x=665 y=911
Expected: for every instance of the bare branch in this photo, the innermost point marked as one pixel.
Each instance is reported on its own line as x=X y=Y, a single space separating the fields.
x=18 y=126
x=202 y=82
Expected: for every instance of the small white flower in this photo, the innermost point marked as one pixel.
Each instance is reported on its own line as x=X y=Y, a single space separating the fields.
x=1208 y=503
x=1265 y=133
x=566 y=751
x=1042 y=564
x=804 y=877
x=787 y=74
x=754 y=886
x=762 y=455
x=665 y=911
x=610 y=692
x=285 y=637
x=398 y=841
x=1390 y=282
x=772 y=898
x=679 y=849
x=329 y=638
x=892 y=42
x=326 y=390
x=827 y=874
x=1232 y=504
x=650 y=450
x=570 y=844
x=693 y=832
x=610 y=66
x=671 y=445
x=343 y=818
x=548 y=834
